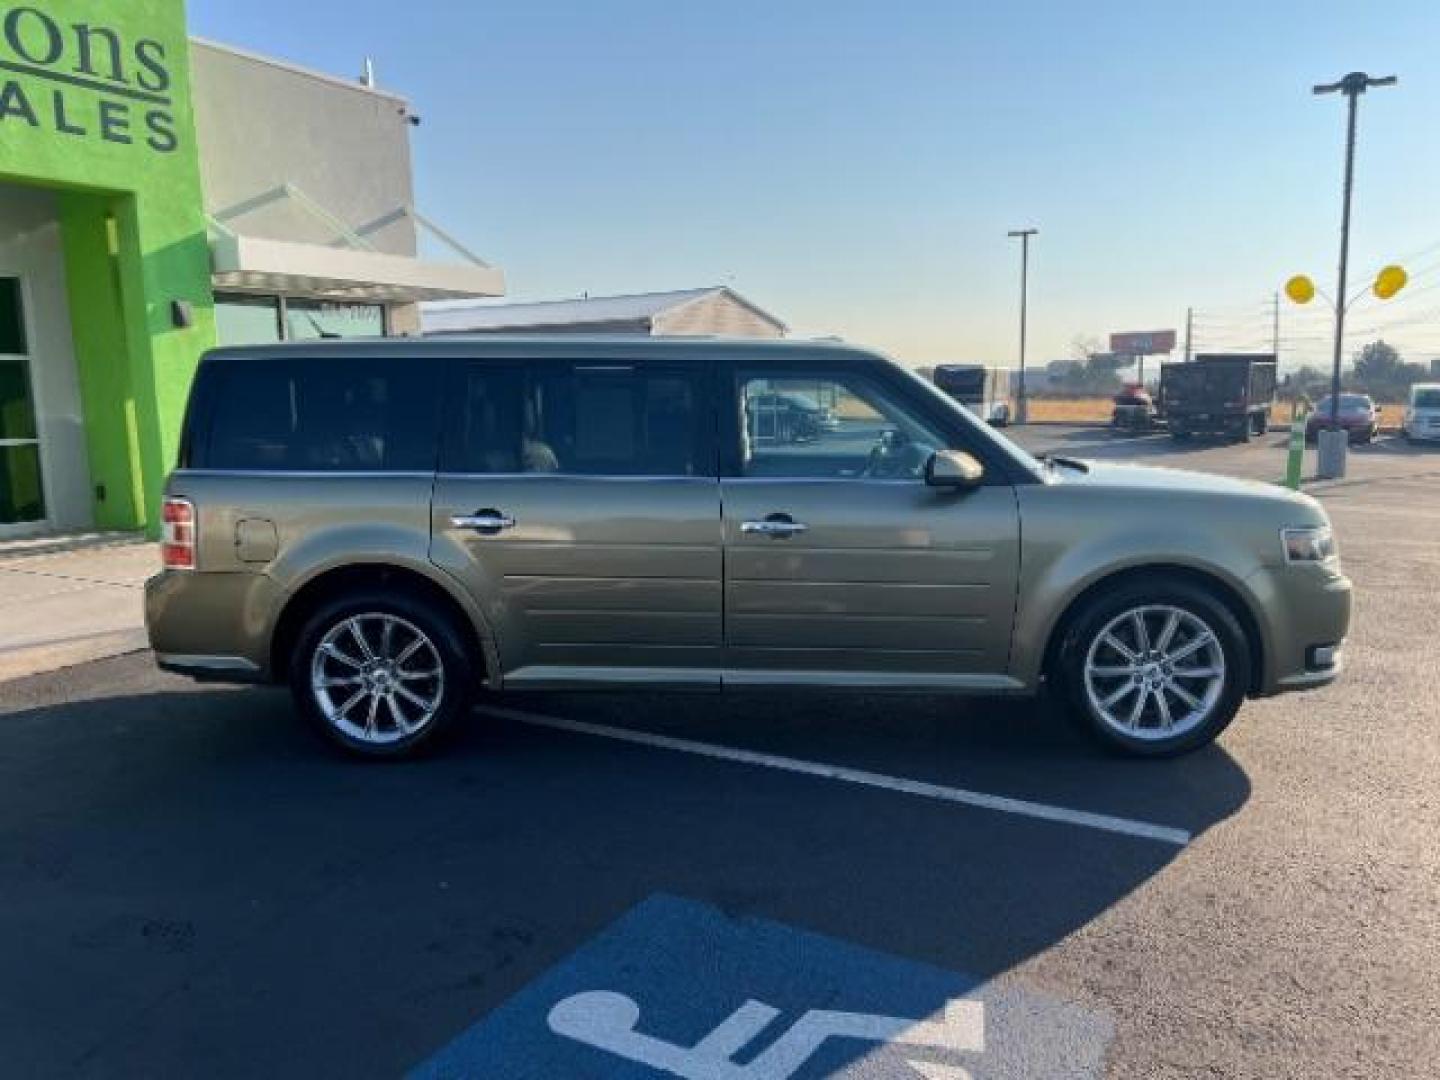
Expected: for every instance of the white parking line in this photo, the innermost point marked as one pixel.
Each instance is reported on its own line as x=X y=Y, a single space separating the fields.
x=1001 y=803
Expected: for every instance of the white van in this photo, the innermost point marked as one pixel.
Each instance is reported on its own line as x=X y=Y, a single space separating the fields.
x=1422 y=415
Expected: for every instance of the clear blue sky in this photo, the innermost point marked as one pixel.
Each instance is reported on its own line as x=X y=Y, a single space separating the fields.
x=854 y=166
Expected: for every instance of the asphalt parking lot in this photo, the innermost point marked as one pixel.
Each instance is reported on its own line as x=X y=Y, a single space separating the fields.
x=764 y=885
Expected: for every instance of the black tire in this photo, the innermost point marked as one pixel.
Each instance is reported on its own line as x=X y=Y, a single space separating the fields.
x=444 y=646
x=1158 y=591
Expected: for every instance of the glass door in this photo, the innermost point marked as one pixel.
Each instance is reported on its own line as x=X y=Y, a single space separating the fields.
x=22 y=494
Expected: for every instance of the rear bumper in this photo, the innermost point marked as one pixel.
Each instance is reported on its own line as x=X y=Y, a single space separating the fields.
x=211 y=668
x=211 y=626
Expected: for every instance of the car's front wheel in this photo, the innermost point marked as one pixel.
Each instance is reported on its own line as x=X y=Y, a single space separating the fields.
x=1155 y=667
x=380 y=675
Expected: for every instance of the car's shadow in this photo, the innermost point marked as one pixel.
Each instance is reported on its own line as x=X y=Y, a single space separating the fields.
x=201 y=872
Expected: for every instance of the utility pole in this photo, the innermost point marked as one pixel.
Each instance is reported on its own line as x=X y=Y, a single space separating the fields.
x=1189 y=327
x=1022 y=406
x=1352 y=86
x=1275 y=332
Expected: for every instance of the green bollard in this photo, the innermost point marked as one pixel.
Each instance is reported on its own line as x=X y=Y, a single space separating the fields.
x=1296 y=461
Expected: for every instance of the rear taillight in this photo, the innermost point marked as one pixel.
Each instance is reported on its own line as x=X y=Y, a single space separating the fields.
x=177 y=540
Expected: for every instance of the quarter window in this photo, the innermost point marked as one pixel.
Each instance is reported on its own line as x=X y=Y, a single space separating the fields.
x=830 y=427
x=583 y=420
x=348 y=415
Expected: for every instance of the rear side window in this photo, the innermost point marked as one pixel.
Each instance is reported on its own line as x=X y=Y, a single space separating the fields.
x=340 y=415
x=582 y=420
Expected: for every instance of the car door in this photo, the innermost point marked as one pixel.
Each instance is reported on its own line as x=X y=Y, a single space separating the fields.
x=579 y=503
x=842 y=566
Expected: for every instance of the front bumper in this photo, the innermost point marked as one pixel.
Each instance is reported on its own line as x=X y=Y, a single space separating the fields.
x=1304 y=610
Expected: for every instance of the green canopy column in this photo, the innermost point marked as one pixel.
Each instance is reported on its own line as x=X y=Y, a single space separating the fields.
x=95 y=102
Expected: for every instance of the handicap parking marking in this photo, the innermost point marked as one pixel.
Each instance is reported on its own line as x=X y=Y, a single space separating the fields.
x=676 y=988
x=1004 y=804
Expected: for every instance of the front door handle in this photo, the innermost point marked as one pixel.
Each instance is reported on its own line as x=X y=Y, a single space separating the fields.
x=488 y=522
x=776 y=526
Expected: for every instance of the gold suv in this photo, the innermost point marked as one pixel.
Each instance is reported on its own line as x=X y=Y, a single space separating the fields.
x=394 y=527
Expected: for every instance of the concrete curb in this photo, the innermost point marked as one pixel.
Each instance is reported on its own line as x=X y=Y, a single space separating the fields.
x=12 y=551
x=27 y=660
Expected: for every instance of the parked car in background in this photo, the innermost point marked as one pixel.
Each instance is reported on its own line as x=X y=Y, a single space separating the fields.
x=1359 y=418
x=788 y=417
x=395 y=527
x=1134 y=409
x=1422 y=414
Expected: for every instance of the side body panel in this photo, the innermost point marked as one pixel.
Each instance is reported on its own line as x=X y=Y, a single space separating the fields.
x=599 y=580
x=1083 y=530
x=263 y=536
x=891 y=577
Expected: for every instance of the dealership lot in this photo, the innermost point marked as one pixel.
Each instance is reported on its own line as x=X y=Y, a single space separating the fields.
x=190 y=882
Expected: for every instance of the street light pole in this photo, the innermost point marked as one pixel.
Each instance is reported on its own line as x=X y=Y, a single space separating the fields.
x=1352 y=86
x=1022 y=406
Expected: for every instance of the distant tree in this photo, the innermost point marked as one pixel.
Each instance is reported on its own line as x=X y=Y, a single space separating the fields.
x=1089 y=369
x=1082 y=347
x=1377 y=364
x=1307 y=382
x=1381 y=372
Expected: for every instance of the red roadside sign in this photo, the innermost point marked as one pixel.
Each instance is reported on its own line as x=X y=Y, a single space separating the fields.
x=1143 y=342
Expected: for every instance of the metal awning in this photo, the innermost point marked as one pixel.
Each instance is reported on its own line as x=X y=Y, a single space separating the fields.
x=278 y=266
x=349 y=268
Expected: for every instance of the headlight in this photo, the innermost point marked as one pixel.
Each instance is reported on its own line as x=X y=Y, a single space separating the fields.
x=1312 y=544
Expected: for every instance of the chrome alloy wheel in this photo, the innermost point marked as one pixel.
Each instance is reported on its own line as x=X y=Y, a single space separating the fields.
x=377 y=678
x=1155 y=672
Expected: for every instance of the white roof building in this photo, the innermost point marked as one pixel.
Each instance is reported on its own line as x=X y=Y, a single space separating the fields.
x=717 y=311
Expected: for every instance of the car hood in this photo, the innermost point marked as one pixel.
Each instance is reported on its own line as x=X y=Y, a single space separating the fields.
x=1143 y=478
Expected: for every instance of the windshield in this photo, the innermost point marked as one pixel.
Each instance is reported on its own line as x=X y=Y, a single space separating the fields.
x=1348 y=403
x=1429 y=398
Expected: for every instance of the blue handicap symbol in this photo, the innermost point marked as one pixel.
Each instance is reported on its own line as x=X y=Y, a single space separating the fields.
x=676 y=988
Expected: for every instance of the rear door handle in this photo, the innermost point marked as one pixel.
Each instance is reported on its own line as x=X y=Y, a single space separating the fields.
x=488 y=522
x=776 y=526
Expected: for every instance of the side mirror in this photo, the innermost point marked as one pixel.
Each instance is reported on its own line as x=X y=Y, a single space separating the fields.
x=953 y=469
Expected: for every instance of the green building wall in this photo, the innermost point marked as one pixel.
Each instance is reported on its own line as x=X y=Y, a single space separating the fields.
x=95 y=102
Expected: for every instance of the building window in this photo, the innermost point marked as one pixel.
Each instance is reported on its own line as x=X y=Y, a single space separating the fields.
x=306 y=319
x=247 y=320
x=12 y=321
x=242 y=319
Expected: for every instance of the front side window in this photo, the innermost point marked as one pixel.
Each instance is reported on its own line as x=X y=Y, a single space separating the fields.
x=582 y=420
x=345 y=415
x=830 y=427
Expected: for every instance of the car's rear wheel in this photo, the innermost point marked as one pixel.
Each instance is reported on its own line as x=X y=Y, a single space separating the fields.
x=380 y=675
x=1155 y=667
